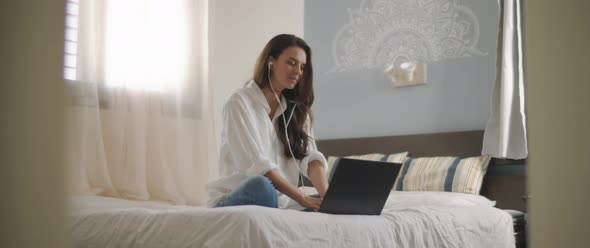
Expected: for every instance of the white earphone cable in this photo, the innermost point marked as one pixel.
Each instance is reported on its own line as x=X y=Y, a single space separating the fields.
x=285 y=123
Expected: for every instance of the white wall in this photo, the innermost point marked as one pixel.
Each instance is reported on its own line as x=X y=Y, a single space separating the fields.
x=557 y=38
x=31 y=121
x=238 y=32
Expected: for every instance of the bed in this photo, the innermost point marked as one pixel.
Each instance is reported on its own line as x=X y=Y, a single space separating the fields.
x=409 y=219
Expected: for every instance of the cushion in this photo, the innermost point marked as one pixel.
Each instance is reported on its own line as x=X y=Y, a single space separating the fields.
x=451 y=174
x=393 y=158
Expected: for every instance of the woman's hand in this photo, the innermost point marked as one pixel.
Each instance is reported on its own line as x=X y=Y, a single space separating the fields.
x=310 y=202
x=282 y=185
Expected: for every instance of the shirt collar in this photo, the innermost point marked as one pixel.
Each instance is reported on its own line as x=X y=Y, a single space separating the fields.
x=261 y=99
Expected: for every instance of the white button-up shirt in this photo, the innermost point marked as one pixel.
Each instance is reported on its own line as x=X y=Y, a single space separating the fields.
x=250 y=145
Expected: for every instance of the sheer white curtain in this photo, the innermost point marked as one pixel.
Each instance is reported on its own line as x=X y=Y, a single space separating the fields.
x=139 y=120
x=505 y=133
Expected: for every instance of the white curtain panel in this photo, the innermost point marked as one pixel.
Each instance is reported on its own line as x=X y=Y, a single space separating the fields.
x=140 y=123
x=505 y=133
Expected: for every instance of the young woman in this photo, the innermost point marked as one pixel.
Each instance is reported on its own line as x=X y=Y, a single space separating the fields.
x=266 y=140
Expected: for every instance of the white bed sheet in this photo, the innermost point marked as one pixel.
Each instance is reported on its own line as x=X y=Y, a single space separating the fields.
x=409 y=219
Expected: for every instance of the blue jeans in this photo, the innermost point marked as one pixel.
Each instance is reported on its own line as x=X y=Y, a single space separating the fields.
x=257 y=190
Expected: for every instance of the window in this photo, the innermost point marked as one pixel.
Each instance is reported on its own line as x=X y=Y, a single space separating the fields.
x=145 y=44
x=135 y=44
x=154 y=46
x=71 y=40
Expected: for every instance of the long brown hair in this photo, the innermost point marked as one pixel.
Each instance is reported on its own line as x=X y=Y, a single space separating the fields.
x=299 y=99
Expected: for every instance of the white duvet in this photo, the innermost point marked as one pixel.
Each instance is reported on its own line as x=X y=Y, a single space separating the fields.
x=409 y=219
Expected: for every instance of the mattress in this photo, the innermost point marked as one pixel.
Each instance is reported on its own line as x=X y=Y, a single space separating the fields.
x=409 y=219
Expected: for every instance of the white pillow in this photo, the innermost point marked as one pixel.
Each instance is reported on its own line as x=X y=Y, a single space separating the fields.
x=393 y=158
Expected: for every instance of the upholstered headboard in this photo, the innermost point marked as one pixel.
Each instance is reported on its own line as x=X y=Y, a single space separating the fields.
x=505 y=180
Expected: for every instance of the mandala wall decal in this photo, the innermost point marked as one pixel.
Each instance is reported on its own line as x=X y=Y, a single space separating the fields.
x=384 y=32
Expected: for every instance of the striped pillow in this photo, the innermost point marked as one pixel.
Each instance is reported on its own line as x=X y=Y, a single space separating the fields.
x=450 y=174
x=393 y=158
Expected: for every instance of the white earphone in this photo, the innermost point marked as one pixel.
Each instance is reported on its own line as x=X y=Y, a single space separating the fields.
x=285 y=122
x=279 y=101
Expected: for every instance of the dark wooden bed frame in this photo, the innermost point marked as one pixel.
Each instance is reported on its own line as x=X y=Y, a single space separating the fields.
x=505 y=180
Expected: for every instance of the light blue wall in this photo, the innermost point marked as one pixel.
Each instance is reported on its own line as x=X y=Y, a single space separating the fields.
x=361 y=102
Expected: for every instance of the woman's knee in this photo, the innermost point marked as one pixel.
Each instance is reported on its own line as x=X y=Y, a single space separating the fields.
x=263 y=188
x=260 y=183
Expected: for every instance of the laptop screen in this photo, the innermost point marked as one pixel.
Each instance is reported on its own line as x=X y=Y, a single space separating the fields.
x=359 y=186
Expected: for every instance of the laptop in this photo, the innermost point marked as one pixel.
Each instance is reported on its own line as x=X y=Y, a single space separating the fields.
x=359 y=187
